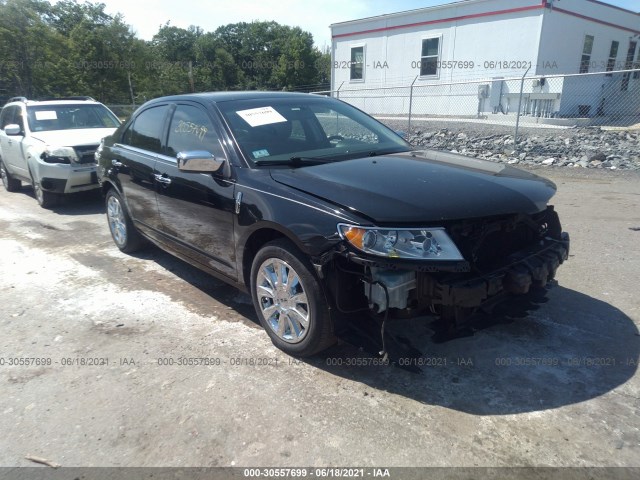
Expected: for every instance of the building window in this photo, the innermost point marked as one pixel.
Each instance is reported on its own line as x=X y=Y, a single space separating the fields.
x=430 y=58
x=587 y=48
x=613 y=54
x=628 y=65
x=357 y=63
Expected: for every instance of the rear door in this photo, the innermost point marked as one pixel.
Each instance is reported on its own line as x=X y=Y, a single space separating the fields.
x=134 y=162
x=196 y=209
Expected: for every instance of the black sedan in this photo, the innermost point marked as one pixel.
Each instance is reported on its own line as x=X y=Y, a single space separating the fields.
x=319 y=210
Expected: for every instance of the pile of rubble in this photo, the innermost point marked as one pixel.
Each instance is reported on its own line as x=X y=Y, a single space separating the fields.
x=589 y=147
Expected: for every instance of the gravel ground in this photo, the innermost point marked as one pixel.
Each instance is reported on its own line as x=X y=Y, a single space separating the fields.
x=551 y=382
x=592 y=147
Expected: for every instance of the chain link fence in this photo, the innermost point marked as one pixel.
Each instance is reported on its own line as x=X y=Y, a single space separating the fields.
x=123 y=112
x=584 y=120
x=505 y=105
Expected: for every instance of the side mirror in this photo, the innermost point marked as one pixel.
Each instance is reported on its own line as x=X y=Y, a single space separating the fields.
x=199 y=161
x=13 y=130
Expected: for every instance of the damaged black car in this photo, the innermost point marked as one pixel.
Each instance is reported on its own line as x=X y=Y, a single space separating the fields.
x=318 y=210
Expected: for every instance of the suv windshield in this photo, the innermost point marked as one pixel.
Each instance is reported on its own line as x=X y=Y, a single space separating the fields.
x=68 y=117
x=303 y=130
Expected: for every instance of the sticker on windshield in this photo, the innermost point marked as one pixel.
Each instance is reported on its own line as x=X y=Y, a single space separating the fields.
x=260 y=153
x=261 y=116
x=46 y=115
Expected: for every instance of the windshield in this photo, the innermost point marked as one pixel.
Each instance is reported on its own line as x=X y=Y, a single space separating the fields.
x=308 y=129
x=43 y=118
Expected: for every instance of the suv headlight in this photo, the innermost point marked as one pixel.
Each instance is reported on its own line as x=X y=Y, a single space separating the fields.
x=409 y=243
x=59 y=155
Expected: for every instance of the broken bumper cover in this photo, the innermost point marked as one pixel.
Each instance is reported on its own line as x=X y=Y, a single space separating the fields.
x=524 y=270
x=453 y=284
x=63 y=178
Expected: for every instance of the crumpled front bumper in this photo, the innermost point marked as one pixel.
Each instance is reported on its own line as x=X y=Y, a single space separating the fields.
x=64 y=178
x=533 y=267
x=456 y=284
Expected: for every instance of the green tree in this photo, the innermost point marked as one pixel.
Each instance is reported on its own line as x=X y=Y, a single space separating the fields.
x=102 y=52
x=216 y=69
x=298 y=60
x=31 y=57
x=77 y=48
x=270 y=55
x=174 y=52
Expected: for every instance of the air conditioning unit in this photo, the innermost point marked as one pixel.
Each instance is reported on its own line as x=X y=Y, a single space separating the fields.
x=539 y=82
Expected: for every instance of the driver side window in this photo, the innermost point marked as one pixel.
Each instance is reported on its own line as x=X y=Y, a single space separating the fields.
x=191 y=130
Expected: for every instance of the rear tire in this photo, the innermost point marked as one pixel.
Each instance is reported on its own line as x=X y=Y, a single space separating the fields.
x=290 y=301
x=10 y=184
x=124 y=234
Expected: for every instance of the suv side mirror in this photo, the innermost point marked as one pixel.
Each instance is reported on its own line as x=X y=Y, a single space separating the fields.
x=199 y=161
x=13 y=130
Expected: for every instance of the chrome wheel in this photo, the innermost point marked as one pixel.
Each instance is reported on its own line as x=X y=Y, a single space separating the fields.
x=283 y=300
x=117 y=221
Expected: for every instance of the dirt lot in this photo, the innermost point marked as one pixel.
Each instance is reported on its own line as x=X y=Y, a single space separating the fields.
x=557 y=387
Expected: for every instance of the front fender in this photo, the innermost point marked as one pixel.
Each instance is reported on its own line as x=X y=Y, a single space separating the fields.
x=33 y=161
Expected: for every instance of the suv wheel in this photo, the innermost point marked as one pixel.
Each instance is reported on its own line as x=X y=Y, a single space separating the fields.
x=124 y=234
x=45 y=199
x=289 y=300
x=10 y=184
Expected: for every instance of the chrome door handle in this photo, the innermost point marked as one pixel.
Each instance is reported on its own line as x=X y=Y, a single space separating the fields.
x=116 y=163
x=162 y=180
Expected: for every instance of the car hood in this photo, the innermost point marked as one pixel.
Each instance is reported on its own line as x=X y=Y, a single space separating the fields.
x=74 y=137
x=422 y=186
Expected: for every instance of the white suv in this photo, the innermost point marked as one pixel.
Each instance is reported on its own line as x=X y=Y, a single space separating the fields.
x=51 y=144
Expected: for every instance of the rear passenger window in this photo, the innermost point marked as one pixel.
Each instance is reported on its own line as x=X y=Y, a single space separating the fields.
x=146 y=132
x=191 y=130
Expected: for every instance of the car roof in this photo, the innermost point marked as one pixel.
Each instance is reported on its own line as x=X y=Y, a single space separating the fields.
x=52 y=102
x=59 y=102
x=232 y=96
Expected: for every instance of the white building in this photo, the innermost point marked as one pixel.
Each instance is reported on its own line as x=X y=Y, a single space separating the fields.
x=439 y=48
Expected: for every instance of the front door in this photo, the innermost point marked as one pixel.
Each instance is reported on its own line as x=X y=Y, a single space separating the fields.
x=196 y=209
x=13 y=154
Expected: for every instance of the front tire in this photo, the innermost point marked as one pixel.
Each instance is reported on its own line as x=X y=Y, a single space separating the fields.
x=289 y=300
x=124 y=234
x=10 y=184
x=45 y=199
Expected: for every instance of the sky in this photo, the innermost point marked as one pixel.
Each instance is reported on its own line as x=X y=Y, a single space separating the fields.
x=146 y=16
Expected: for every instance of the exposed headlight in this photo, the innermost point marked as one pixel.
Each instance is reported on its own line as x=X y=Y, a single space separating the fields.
x=59 y=155
x=408 y=243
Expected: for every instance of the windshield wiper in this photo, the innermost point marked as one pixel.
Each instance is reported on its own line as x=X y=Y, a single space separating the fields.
x=387 y=151
x=293 y=161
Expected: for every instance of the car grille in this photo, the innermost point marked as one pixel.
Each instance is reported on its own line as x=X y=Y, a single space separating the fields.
x=86 y=154
x=488 y=243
